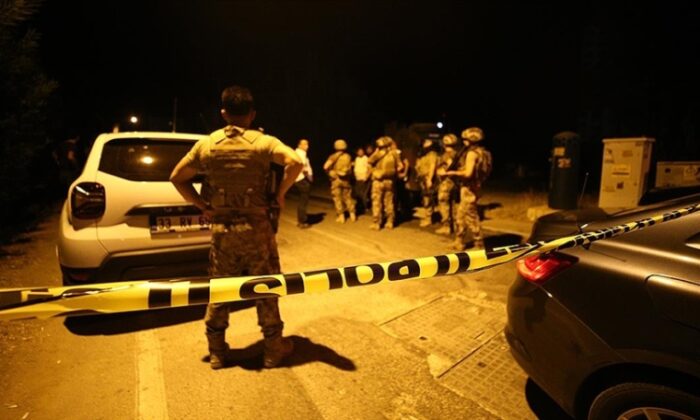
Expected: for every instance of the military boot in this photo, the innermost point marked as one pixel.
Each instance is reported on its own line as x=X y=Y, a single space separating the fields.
x=276 y=349
x=353 y=217
x=389 y=224
x=218 y=351
x=425 y=222
x=457 y=245
x=340 y=218
x=374 y=226
x=443 y=230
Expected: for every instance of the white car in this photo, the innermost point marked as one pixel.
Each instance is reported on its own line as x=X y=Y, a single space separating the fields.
x=124 y=220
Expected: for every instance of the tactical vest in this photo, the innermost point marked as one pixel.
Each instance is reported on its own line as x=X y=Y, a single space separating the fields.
x=424 y=163
x=482 y=165
x=385 y=168
x=238 y=173
x=446 y=157
x=341 y=167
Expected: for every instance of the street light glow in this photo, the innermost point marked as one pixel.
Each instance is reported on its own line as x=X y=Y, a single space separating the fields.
x=439 y=124
x=147 y=160
x=134 y=119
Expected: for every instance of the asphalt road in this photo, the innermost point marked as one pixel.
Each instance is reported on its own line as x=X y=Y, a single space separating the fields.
x=428 y=349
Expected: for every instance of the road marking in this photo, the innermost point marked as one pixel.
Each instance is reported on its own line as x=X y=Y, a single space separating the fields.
x=152 y=403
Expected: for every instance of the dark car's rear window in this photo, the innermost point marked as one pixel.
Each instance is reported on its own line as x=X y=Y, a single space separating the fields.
x=143 y=159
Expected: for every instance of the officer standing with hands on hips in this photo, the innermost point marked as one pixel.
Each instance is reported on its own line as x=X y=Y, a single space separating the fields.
x=237 y=197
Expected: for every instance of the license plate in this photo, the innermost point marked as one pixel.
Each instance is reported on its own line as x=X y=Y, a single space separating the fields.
x=178 y=224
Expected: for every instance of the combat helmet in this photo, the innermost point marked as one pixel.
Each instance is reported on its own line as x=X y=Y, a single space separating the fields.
x=340 y=144
x=449 y=140
x=383 y=141
x=473 y=134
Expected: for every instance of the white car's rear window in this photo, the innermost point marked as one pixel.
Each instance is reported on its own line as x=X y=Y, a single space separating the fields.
x=143 y=159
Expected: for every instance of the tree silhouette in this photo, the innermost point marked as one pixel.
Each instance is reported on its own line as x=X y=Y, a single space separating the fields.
x=25 y=91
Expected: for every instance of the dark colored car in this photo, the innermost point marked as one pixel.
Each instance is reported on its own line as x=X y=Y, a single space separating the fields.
x=612 y=331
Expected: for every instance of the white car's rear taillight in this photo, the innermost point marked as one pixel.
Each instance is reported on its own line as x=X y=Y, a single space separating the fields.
x=87 y=200
x=540 y=268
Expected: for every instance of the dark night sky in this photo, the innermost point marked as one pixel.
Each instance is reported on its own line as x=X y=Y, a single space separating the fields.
x=328 y=69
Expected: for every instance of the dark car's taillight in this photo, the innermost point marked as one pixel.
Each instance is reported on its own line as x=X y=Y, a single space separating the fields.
x=540 y=268
x=87 y=200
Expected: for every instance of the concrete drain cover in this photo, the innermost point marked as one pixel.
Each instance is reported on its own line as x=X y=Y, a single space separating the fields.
x=491 y=378
x=448 y=329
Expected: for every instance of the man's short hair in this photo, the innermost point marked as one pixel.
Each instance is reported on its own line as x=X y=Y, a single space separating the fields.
x=237 y=100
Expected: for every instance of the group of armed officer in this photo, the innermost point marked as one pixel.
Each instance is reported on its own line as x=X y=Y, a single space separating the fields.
x=242 y=198
x=459 y=171
x=450 y=181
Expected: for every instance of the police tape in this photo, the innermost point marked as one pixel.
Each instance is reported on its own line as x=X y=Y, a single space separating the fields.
x=24 y=303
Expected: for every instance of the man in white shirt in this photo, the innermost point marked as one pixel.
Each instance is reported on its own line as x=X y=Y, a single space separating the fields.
x=303 y=184
x=361 y=170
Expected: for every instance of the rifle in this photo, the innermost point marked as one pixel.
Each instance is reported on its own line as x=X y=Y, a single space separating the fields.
x=456 y=179
x=454 y=164
x=331 y=167
x=274 y=180
x=455 y=192
x=427 y=194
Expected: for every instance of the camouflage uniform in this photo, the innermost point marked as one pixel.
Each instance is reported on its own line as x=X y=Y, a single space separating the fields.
x=340 y=168
x=445 y=188
x=244 y=246
x=236 y=164
x=425 y=168
x=467 y=220
x=384 y=163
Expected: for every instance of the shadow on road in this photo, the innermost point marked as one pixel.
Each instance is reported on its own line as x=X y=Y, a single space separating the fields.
x=541 y=404
x=481 y=209
x=305 y=351
x=128 y=322
x=316 y=218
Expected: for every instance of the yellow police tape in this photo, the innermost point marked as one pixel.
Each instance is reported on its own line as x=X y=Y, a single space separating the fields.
x=140 y=295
